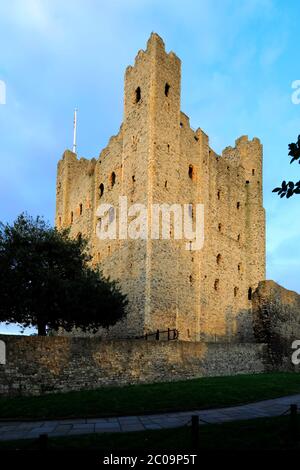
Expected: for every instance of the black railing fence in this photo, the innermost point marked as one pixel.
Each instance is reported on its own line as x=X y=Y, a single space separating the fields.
x=166 y=335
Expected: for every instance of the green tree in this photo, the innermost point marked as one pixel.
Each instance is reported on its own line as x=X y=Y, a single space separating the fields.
x=46 y=280
x=288 y=189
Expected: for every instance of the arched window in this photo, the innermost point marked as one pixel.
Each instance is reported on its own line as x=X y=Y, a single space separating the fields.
x=112 y=179
x=101 y=189
x=138 y=94
x=167 y=89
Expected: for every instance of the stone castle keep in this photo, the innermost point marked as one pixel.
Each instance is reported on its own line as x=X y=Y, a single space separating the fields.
x=158 y=158
x=230 y=319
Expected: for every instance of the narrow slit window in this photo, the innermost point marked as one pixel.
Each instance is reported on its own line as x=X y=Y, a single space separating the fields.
x=191 y=172
x=219 y=258
x=216 y=284
x=235 y=291
x=72 y=217
x=101 y=189
x=250 y=293
x=138 y=94
x=167 y=89
x=80 y=209
x=112 y=179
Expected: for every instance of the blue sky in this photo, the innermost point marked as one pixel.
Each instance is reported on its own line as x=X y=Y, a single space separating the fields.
x=239 y=59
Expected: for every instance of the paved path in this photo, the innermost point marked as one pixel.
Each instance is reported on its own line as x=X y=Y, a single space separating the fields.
x=68 y=427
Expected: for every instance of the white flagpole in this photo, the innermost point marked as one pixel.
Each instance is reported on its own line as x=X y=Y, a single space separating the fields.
x=75 y=131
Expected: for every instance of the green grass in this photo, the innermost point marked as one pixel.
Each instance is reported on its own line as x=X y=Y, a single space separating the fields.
x=209 y=392
x=256 y=434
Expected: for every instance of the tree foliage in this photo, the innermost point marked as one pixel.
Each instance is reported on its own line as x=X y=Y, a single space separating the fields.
x=288 y=189
x=46 y=280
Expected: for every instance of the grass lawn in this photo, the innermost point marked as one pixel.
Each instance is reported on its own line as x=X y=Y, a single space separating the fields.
x=208 y=392
x=256 y=434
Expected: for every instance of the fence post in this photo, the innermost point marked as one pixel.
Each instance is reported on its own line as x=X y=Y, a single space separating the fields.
x=195 y=432
x=43 y=441
x=157 y=335
x=294 y=422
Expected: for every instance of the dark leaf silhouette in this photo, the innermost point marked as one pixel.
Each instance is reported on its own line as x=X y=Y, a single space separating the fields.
x=289 y=189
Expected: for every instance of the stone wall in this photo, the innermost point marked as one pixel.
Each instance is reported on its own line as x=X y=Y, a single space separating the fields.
x=38 y=365
x=276 y=309
x=276 y=321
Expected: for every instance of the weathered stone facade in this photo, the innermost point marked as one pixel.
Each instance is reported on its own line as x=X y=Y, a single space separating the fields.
x=158 y=158
x=38 y=365
x=275 y=309
x=276 y=322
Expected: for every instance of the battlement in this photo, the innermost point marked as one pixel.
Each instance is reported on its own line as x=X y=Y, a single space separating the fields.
x=155 y=45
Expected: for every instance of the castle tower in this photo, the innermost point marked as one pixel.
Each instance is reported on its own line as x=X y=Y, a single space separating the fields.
x=158 y=159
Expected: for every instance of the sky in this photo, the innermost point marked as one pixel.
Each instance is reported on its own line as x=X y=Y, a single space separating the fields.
x=239 y=60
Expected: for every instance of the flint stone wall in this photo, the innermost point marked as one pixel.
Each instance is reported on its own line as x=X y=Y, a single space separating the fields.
x=39 y=365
